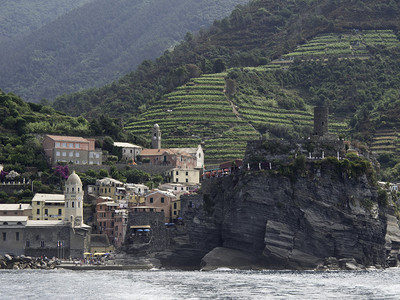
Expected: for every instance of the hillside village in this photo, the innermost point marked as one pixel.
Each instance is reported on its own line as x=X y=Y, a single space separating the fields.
x=274 y=133
x=48 y=226
x=128 y=217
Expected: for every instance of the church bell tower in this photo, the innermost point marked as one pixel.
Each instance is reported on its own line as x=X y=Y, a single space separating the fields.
x=156 y=137
x=74 y=200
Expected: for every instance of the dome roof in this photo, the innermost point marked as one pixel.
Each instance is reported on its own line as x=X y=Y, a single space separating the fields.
x=74 y=179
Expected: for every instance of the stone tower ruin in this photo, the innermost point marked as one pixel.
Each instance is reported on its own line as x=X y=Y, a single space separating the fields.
x=321 y=120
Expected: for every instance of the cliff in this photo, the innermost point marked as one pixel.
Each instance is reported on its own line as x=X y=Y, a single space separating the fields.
x=326 y=214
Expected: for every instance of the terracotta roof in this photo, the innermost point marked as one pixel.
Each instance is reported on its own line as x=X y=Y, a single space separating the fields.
x=62 y=138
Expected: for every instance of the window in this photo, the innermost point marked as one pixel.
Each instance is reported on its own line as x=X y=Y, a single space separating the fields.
x=162 y=199
x=58 y=153
x=59 y=211
x=76 y=154
x=187 y=173
x=151 y=209
x=175 y=205
x=64 y=144
x=46 y=211
x=64 y=154
x=187 y=180
x=175 y=213
x=17 y=236
x=73 y=204
x=38 y=203
x=38 y=211
x=77 y=146
x=66 y=204
x=79 y=204
x=73 y=189
x=57 y=144
x=70 y=145
x=71 y=154
x=27 y=243
x=42 y=244
x=177 y=180
x=177 y=173
x=151 y=200
x=4 y=236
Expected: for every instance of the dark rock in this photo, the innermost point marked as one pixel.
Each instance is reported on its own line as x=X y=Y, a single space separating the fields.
x=229 y=258
x=294 y=222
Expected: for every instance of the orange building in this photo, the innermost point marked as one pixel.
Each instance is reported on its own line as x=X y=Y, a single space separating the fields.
x=159 y=201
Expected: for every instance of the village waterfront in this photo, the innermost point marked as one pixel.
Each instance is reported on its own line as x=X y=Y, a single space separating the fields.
x=219 y=284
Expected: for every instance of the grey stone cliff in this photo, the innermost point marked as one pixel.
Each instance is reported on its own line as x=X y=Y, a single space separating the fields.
x=319 y=216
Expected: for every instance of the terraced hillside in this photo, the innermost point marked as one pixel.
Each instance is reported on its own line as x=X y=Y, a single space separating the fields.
x=353 y=44
x=198 y=112
x=386 y=141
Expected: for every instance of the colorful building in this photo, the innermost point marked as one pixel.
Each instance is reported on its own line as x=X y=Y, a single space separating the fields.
x=71 y=149
x=48 y=206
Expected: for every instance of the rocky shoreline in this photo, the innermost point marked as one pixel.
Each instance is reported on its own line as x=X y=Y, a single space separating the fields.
x=26 y=262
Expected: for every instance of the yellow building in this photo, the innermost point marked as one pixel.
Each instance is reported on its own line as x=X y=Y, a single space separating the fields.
x=175 y=209
x=190 y=176
x=109 y=187
x=48 y=207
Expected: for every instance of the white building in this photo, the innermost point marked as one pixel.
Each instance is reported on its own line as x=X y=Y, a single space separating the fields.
x=129 y=151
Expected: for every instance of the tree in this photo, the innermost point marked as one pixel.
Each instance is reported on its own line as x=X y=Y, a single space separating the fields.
x=219 y=66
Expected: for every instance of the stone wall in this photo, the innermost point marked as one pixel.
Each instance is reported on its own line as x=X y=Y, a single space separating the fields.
x=156 y=240
x=152 y=169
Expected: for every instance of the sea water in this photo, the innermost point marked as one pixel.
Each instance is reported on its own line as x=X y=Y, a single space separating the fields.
x=219 y=284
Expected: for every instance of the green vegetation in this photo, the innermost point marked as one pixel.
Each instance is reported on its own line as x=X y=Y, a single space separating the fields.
x=94 y=44
x=19 y=18
x=195 y=113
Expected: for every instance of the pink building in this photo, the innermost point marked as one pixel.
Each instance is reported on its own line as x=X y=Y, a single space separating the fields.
x=71 y=149
x=169 y=157
x=158 y=201
x=111 y=220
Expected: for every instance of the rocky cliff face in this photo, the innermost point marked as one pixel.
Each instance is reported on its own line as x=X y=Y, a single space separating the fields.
x=303 y=220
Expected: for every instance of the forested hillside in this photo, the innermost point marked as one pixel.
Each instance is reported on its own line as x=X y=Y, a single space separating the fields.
x=99 y=42
x=19 y=18
x=252 y=35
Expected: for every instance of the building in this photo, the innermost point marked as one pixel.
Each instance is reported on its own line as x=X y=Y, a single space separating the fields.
x=71 y=149
x=136 y=188
x=16 y=210
x=105 y=217
x=156 y=137
x=129 y=151
x=159 y=201
x=196 y=153
x=48 y=207
x=108 y=187
x=187 y=176
x=169 y=157
x=68 y=237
